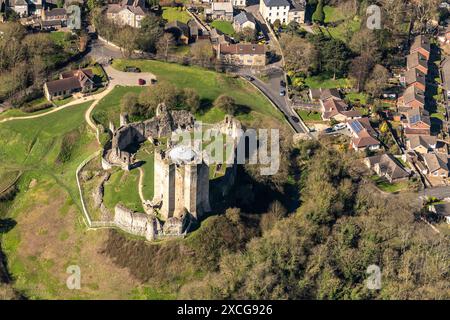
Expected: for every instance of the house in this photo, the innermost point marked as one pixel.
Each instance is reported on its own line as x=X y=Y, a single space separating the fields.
x=442 y=210
x=417 y=123
x=421 y=44
x=272 y=10
x=218 y=39
x=297 y=11
x=417 y=61
x=244 y=20
x=363 y=134
x=194 y=31
x=35 y=7
x=436 y=164
x=180 y=31
x=323 y=94
x=386 y=166
x=415 y=77
x=20 y=7
x=338 y=110
x=69 y=82
x=245 y=54
x=421 y=144
x=220 y=11
x=54 y=18
x=128 y=12
x=239 y=3
x=412 y=98
x=283 y=10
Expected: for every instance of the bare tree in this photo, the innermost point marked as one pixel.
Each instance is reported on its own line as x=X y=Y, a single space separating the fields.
x=165 y=45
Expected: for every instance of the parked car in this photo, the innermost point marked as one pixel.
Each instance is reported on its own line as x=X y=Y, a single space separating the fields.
x=153 y=81
x=328 y=130
x=282 y=83
x=132 y=69
x=282 y=92
x=141 y=82
x=339 y=126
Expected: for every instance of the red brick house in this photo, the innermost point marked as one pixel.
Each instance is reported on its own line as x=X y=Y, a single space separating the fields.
x=417 y=61
x=421 y=44
x=412 y=98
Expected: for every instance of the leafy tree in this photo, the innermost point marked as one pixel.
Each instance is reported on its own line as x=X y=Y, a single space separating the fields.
x=300 y=55
x=319 y=15
x=162 y=92
x=202 y=52
x=165 y=45
x=226 y=104
x=190 y=99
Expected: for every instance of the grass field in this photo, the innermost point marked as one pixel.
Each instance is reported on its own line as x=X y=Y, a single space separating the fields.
x=108 y=109
x=172 y=14
x=223 y=26
x=122 y=188
x=356 y=97
x=309 y=116
x=209 y=85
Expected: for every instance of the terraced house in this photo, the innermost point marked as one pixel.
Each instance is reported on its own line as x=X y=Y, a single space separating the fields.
x=283 y=10
x=245 y=54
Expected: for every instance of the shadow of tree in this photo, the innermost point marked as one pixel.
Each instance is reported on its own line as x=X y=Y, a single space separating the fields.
x=7 y=225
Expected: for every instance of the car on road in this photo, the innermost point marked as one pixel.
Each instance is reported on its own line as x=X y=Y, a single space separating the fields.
x=328 y=130
x=141 y=82
x=295 y=119
x=339 y=126
x=132 y=69
x=249 y=78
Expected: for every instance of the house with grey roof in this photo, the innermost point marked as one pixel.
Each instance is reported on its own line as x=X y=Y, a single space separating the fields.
x=244 y=20
x=220 y=11
x=127 y=12
x=436 y=164
x=283 y=10
x=386 y=166
x=70 y=82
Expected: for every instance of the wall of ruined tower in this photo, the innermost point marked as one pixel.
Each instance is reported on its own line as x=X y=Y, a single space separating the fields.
x=136 y=223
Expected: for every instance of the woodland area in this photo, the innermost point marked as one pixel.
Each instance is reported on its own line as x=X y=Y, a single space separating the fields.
x=319 y=251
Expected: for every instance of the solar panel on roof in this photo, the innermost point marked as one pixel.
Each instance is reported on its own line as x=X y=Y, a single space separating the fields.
x=356 y=126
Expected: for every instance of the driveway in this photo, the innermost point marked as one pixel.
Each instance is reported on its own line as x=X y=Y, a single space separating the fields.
x=127 y=78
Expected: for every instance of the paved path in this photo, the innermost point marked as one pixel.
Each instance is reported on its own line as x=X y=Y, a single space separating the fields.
x=116 y=78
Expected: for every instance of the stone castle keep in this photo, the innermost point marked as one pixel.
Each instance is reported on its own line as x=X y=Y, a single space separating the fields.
x=181 y=183
x=181 y=175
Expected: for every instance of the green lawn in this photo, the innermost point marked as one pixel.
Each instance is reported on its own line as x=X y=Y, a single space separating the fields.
x=122 y=188
x=209 y=85
x=108 y=109
x=61 y=102
x=172 y=14
x=333 y=14
x=309 y=116
x=317 y=82
x=58 y=37
x=385 y=186
x=357 y=97
x=223 y=26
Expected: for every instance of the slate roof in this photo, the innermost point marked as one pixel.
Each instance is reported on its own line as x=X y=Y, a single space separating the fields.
x=72 y=80
x=436 y=161
x=428 y=142
x=414 y=75
x=416 y=59
x=243 y=17
x=415 y=116
x=421 y=41
x=276 y=3
x=413 y=94
x=388 y=166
